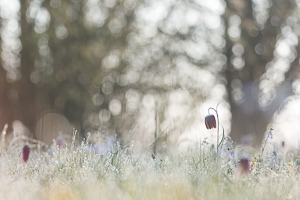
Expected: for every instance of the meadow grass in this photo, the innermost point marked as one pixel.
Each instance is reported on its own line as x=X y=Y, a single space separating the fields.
x=79 y=172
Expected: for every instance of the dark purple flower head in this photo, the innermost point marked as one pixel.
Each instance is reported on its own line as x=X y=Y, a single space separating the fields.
x=210 y=121
x=25 y=153
x=244 y=166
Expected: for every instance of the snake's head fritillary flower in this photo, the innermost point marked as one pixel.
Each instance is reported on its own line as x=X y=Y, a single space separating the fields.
x=244 y=166
x=25 y=153
x=210 y=121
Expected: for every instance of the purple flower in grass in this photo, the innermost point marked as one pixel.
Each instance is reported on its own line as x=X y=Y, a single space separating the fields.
x=210 y=121
x=244 y=166
x=25 y=153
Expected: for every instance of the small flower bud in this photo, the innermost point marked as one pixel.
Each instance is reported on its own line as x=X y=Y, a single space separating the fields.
x=210 y=121
x=25 y=153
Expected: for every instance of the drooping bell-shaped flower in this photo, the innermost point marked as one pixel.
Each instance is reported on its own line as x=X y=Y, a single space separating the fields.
x=210 y=121
x=25 y=153
x=244 y=166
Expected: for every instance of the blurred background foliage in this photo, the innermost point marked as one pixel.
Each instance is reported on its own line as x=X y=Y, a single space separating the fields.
x=109 y=65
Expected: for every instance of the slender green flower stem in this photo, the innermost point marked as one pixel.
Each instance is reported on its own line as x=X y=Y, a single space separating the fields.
x=263 y=148
x=217 y=126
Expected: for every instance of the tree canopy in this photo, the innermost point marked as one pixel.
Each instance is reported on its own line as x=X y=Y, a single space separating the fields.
x=109 y=65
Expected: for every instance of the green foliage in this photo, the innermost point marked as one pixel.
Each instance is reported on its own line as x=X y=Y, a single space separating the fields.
x=100 y=63
x=94 y=61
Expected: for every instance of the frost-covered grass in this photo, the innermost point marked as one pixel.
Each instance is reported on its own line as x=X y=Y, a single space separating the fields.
x=80 y=173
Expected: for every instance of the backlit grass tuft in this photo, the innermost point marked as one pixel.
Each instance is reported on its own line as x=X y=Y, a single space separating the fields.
x=81 y=172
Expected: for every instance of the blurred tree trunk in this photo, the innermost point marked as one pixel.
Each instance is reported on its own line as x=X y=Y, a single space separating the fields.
x=26 y=89
x=21 y=99
x=17 y=98
x=6 y=104
x=255 y=46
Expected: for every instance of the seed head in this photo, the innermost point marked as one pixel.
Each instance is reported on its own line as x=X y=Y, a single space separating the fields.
x=25 y=153
x=210 y=121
